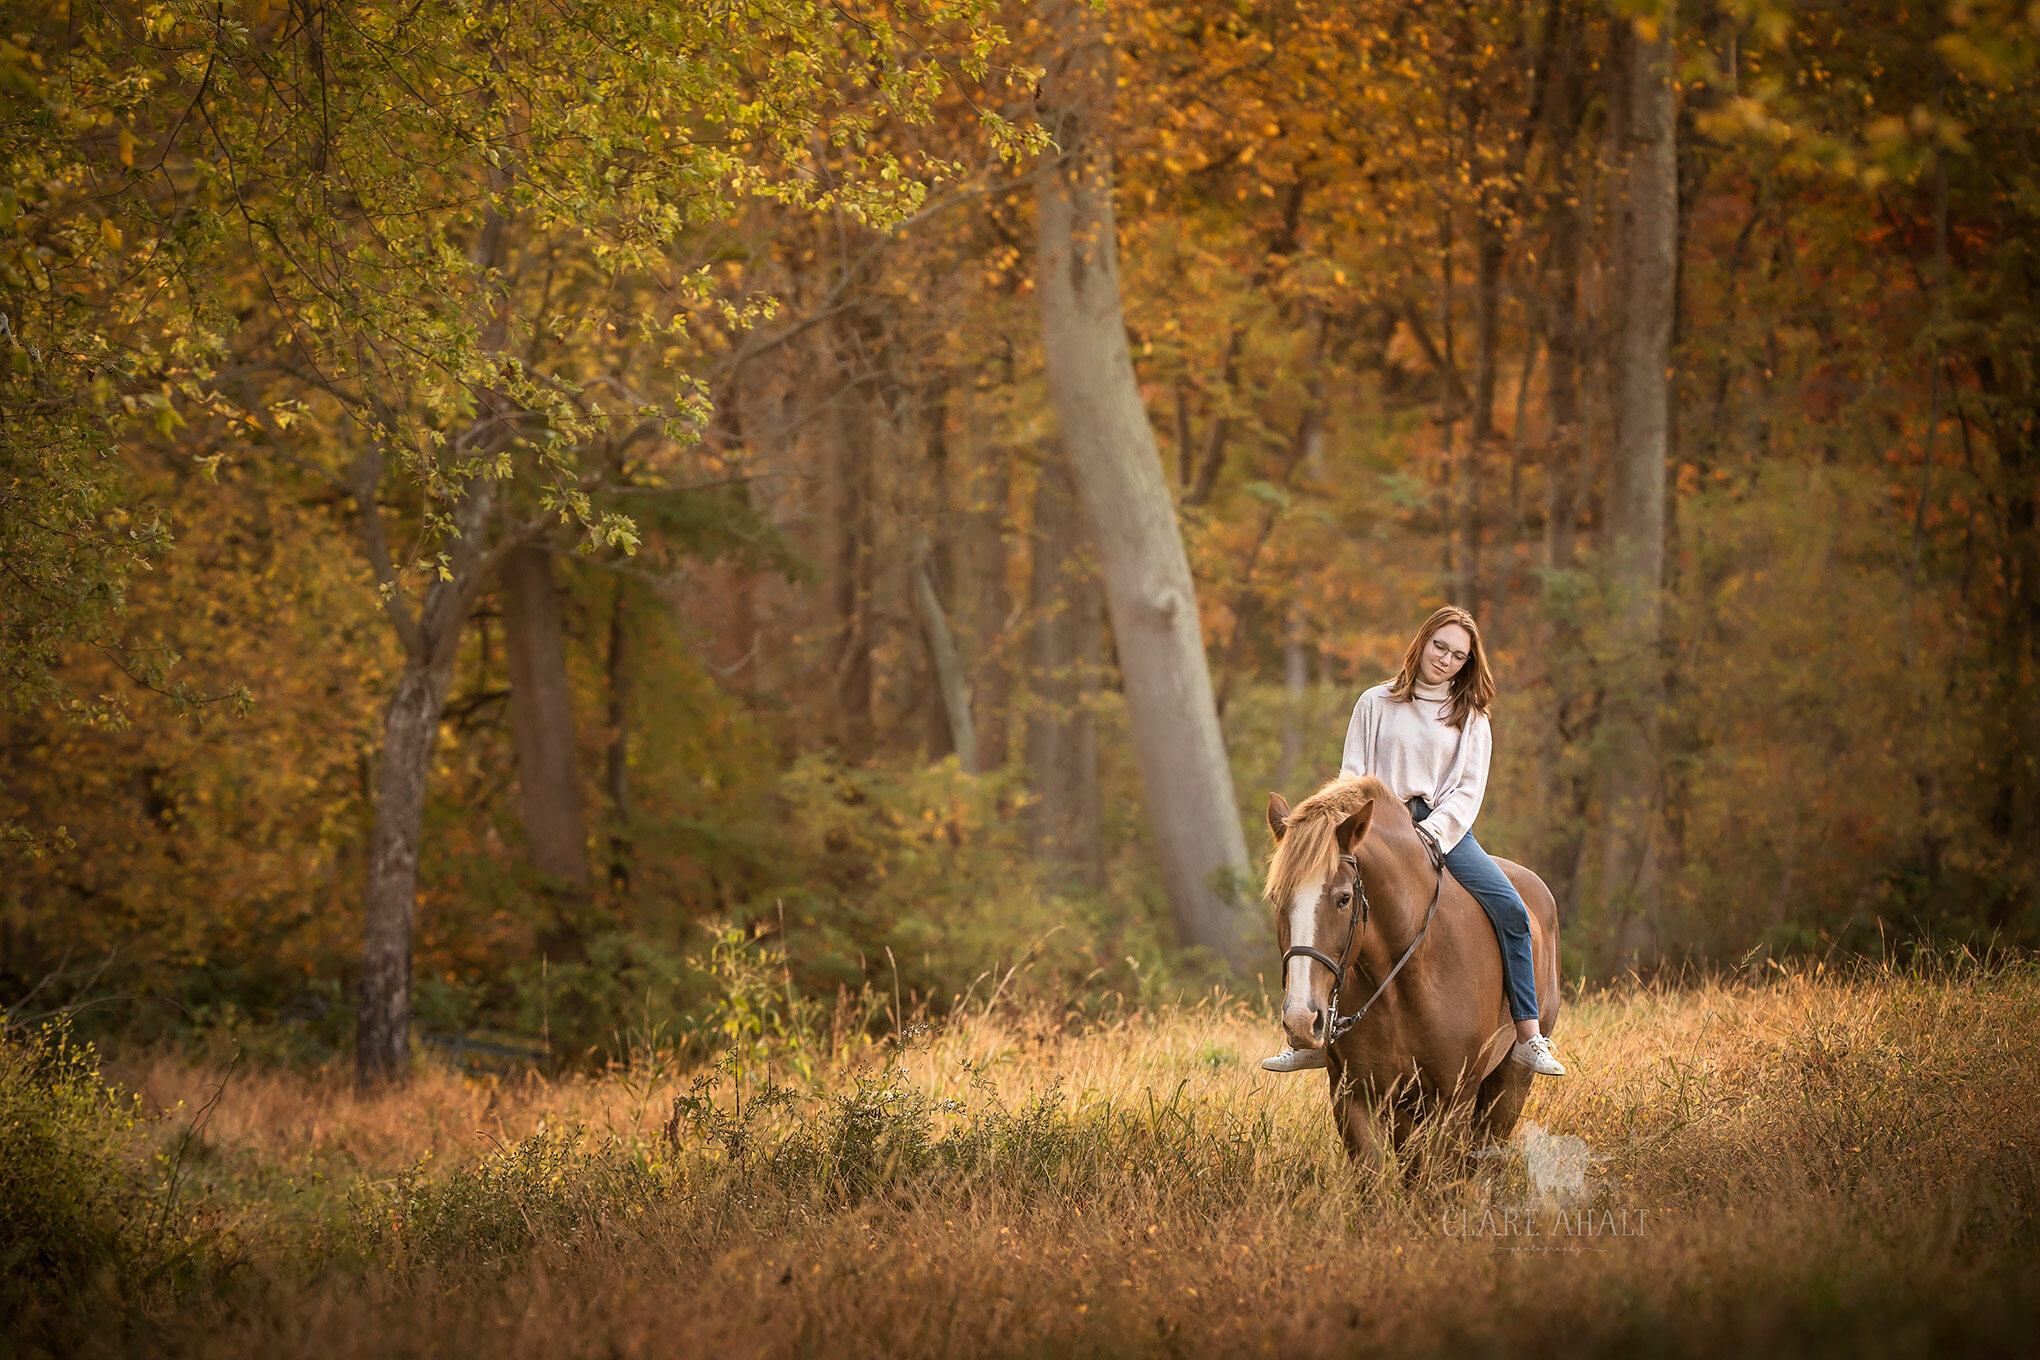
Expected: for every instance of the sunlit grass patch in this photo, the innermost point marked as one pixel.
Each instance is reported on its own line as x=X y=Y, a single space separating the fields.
x=1799 y=1161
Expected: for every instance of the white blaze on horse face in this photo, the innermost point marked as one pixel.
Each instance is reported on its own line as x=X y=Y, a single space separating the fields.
x=1302 y=931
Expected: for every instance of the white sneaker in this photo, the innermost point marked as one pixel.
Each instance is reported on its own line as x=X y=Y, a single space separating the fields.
x=1535 y=1054
x=1296 y=1060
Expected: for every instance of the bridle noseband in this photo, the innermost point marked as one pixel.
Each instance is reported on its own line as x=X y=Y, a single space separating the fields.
x=1339 y=1025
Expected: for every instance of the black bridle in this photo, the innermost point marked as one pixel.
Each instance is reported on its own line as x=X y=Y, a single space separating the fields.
x=1338 y=1025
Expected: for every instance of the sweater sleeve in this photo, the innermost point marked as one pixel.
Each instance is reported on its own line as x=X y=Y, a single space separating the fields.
x=1453 y=813
x=1360 y=738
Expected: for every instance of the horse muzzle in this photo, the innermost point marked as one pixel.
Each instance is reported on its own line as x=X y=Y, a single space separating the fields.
x=1305 y=1023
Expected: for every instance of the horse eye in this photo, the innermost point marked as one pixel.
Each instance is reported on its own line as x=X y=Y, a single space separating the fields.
x=1344 y=897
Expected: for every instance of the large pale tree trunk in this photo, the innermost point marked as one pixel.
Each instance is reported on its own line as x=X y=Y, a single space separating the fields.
x=1648 y=266
x=542 y=718
x=1185 y=779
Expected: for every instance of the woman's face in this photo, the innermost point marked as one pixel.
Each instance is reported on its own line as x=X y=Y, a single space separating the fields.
x=1444 y=654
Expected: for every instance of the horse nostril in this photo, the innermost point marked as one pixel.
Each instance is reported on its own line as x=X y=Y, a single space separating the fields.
x=1317 y=1025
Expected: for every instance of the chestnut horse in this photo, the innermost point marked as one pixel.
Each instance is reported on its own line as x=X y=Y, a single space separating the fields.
x=1352 y=880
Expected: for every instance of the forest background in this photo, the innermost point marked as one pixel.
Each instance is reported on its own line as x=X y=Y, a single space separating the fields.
x=496 y=505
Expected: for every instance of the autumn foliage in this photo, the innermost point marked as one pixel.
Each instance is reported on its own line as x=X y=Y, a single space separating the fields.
x=766 y=393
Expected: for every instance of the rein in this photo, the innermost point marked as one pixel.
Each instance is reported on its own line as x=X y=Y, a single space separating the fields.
x=1339 y=1025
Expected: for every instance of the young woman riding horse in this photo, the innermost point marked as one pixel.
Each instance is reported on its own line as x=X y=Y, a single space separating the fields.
x=1425 y=735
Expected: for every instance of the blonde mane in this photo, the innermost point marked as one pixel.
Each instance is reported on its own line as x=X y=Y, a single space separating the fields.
x=1309 y=847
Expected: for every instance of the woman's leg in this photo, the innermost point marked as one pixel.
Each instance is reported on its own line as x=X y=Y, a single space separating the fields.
x=1482 y=877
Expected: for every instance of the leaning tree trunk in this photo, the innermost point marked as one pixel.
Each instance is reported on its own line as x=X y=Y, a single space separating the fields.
x=952 y=687
x=1636 y=501
x=542 y=718
x=1181 y=754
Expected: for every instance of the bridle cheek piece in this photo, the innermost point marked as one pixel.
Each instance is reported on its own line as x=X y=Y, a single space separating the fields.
x=1338 y=1024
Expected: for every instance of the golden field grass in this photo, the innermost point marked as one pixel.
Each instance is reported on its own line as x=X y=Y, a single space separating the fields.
x=1808 y=1163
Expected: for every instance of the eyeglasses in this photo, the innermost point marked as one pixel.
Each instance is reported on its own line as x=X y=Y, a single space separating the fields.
x=1438 y=646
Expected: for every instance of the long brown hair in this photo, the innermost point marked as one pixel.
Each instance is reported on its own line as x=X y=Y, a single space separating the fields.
x=1472 y=690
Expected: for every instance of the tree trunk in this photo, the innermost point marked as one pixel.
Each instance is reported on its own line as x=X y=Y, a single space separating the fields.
x=542 y=718
x=431 y=642
x=1648 y=262
x=1566 y=790
x=1246 y=603
x=1565 y=452
x=1518 y=447
x=937 y=571
x=950 y=686
x=1220 y=430
x=618 y=764
x=854 y=577
x=1062 y=733
x=1177 y=744
x=1085 y=834
x=382 y=1042
x=1295 y=694
x=1453 y=467
x=1490 y=248
x=992 y=670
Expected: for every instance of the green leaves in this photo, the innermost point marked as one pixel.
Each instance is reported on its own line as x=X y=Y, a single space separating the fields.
x=468 y=237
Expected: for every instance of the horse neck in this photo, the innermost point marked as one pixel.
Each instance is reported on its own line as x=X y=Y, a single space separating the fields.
x=1399 y=879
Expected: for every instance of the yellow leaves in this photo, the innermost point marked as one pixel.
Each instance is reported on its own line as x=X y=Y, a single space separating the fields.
x=109 y=233
x=125 y=147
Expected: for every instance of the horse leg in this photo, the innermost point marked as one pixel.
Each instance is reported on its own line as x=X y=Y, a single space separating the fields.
x=1500 y=1102
x=1354 y=1113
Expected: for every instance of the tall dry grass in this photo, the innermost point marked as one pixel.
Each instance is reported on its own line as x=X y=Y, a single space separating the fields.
x=1793 y=1163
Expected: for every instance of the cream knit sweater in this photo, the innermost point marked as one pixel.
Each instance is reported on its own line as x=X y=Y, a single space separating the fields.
x=1408 y=748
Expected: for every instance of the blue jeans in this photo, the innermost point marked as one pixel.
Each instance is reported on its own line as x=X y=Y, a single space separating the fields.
x=1498 y=897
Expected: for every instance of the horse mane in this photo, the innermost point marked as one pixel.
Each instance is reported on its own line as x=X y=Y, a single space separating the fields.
x=1309 y=847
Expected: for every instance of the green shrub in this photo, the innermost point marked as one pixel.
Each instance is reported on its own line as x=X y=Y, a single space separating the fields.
x=85 y=1217
x=883 y=1139
x=552 y=1188
x=72 y=1211
x=588 y=1008
x=923 y=881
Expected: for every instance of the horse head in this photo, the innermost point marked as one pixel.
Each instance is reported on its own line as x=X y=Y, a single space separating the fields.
x=1312 y=881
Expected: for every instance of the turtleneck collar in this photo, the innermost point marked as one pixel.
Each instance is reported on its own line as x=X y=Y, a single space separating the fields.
x=1424 y=691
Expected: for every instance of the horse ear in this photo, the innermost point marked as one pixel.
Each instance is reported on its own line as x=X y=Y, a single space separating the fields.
x=1354 y=827
x=1278 y=816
